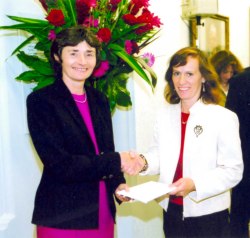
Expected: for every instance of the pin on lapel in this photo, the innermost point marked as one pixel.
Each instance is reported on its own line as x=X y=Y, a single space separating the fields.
x=198 y=130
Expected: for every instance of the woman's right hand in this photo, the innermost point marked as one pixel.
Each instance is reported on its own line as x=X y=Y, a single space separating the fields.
x=121 y=187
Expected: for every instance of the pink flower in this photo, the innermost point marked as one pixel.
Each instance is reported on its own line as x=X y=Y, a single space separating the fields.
x=128 y=46
x=89 y=3
x=149 y=58
x=104 y=35
x=90 y=21
x=52 y=35
x=114 y=2
x=131 y=47
x=102 y=69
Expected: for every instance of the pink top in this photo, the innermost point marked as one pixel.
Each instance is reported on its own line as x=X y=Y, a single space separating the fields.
x=106 y=223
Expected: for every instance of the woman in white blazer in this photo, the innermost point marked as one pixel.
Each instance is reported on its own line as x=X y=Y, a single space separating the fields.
x=196 y=148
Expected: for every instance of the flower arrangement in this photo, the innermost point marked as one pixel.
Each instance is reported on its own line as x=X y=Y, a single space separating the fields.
x=123 y=26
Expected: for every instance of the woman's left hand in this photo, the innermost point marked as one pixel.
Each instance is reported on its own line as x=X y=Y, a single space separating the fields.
x=183 y=187
x=122 y=198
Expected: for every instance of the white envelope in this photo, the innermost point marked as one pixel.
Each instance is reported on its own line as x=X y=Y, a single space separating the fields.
x=147 y=191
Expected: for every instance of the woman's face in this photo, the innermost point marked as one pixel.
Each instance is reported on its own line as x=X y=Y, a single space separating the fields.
x=78 y=62
x=226 y=74
x=188 y=81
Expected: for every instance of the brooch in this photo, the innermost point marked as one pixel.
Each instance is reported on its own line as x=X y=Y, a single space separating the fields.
x=198 y=130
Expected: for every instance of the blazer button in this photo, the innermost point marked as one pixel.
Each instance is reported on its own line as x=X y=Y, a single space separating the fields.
x=111 y=176
x=104 y=177
x=102 y=153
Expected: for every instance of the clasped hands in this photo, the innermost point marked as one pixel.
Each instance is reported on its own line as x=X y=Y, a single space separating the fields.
x=131 y=163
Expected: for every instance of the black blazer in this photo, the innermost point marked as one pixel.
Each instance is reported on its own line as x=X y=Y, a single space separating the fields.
x=238 y=100
x=67 y=196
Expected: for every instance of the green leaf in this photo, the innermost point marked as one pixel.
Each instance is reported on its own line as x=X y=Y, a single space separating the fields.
x=36 y=63
x=149 y=40
x=149 y=69
x=43 y=82
x=26 y=42
x=71 y=10
x=31 y=21
x=29 y=76
x=119 y=51
x=123 y=99
x=23 y=26
x=33 y=76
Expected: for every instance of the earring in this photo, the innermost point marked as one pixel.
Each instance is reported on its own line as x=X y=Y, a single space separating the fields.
x=203 y=87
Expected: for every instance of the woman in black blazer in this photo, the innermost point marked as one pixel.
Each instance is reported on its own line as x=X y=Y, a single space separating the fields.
x=71 y=128
x=238 y=100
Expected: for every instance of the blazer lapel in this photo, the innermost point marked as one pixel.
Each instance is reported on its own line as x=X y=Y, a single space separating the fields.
x=68 y=101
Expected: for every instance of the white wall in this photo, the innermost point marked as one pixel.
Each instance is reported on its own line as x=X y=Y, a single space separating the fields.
x=20 y=168
x=238 y=12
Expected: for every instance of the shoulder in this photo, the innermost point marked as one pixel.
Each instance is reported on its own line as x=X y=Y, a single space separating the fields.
x=167 y=107
x=219 y=113
x=55 y=93
x=168 y=112
x=241 y=79
x=38 y=94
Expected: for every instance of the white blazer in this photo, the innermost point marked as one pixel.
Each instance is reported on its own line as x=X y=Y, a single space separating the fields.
x=212 y=155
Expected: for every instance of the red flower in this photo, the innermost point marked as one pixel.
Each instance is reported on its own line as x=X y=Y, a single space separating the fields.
x=136 y=5
x=130 y=19
x=135 y=47
x=140 y=3
x=82 y=10
x=114 y=4
x=104 y=35
x=143 y=29
x=149 y=19
x=56 y=17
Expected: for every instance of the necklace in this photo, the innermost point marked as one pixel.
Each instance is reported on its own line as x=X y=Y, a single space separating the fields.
x=84 y=100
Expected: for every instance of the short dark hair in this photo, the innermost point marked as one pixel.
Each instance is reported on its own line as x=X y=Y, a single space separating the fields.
x=72 y=36
x=211 y=94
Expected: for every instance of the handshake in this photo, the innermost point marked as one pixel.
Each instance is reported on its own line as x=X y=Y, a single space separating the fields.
x=133 y=163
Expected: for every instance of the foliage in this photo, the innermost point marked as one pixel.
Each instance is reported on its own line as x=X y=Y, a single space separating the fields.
x=123 y=26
